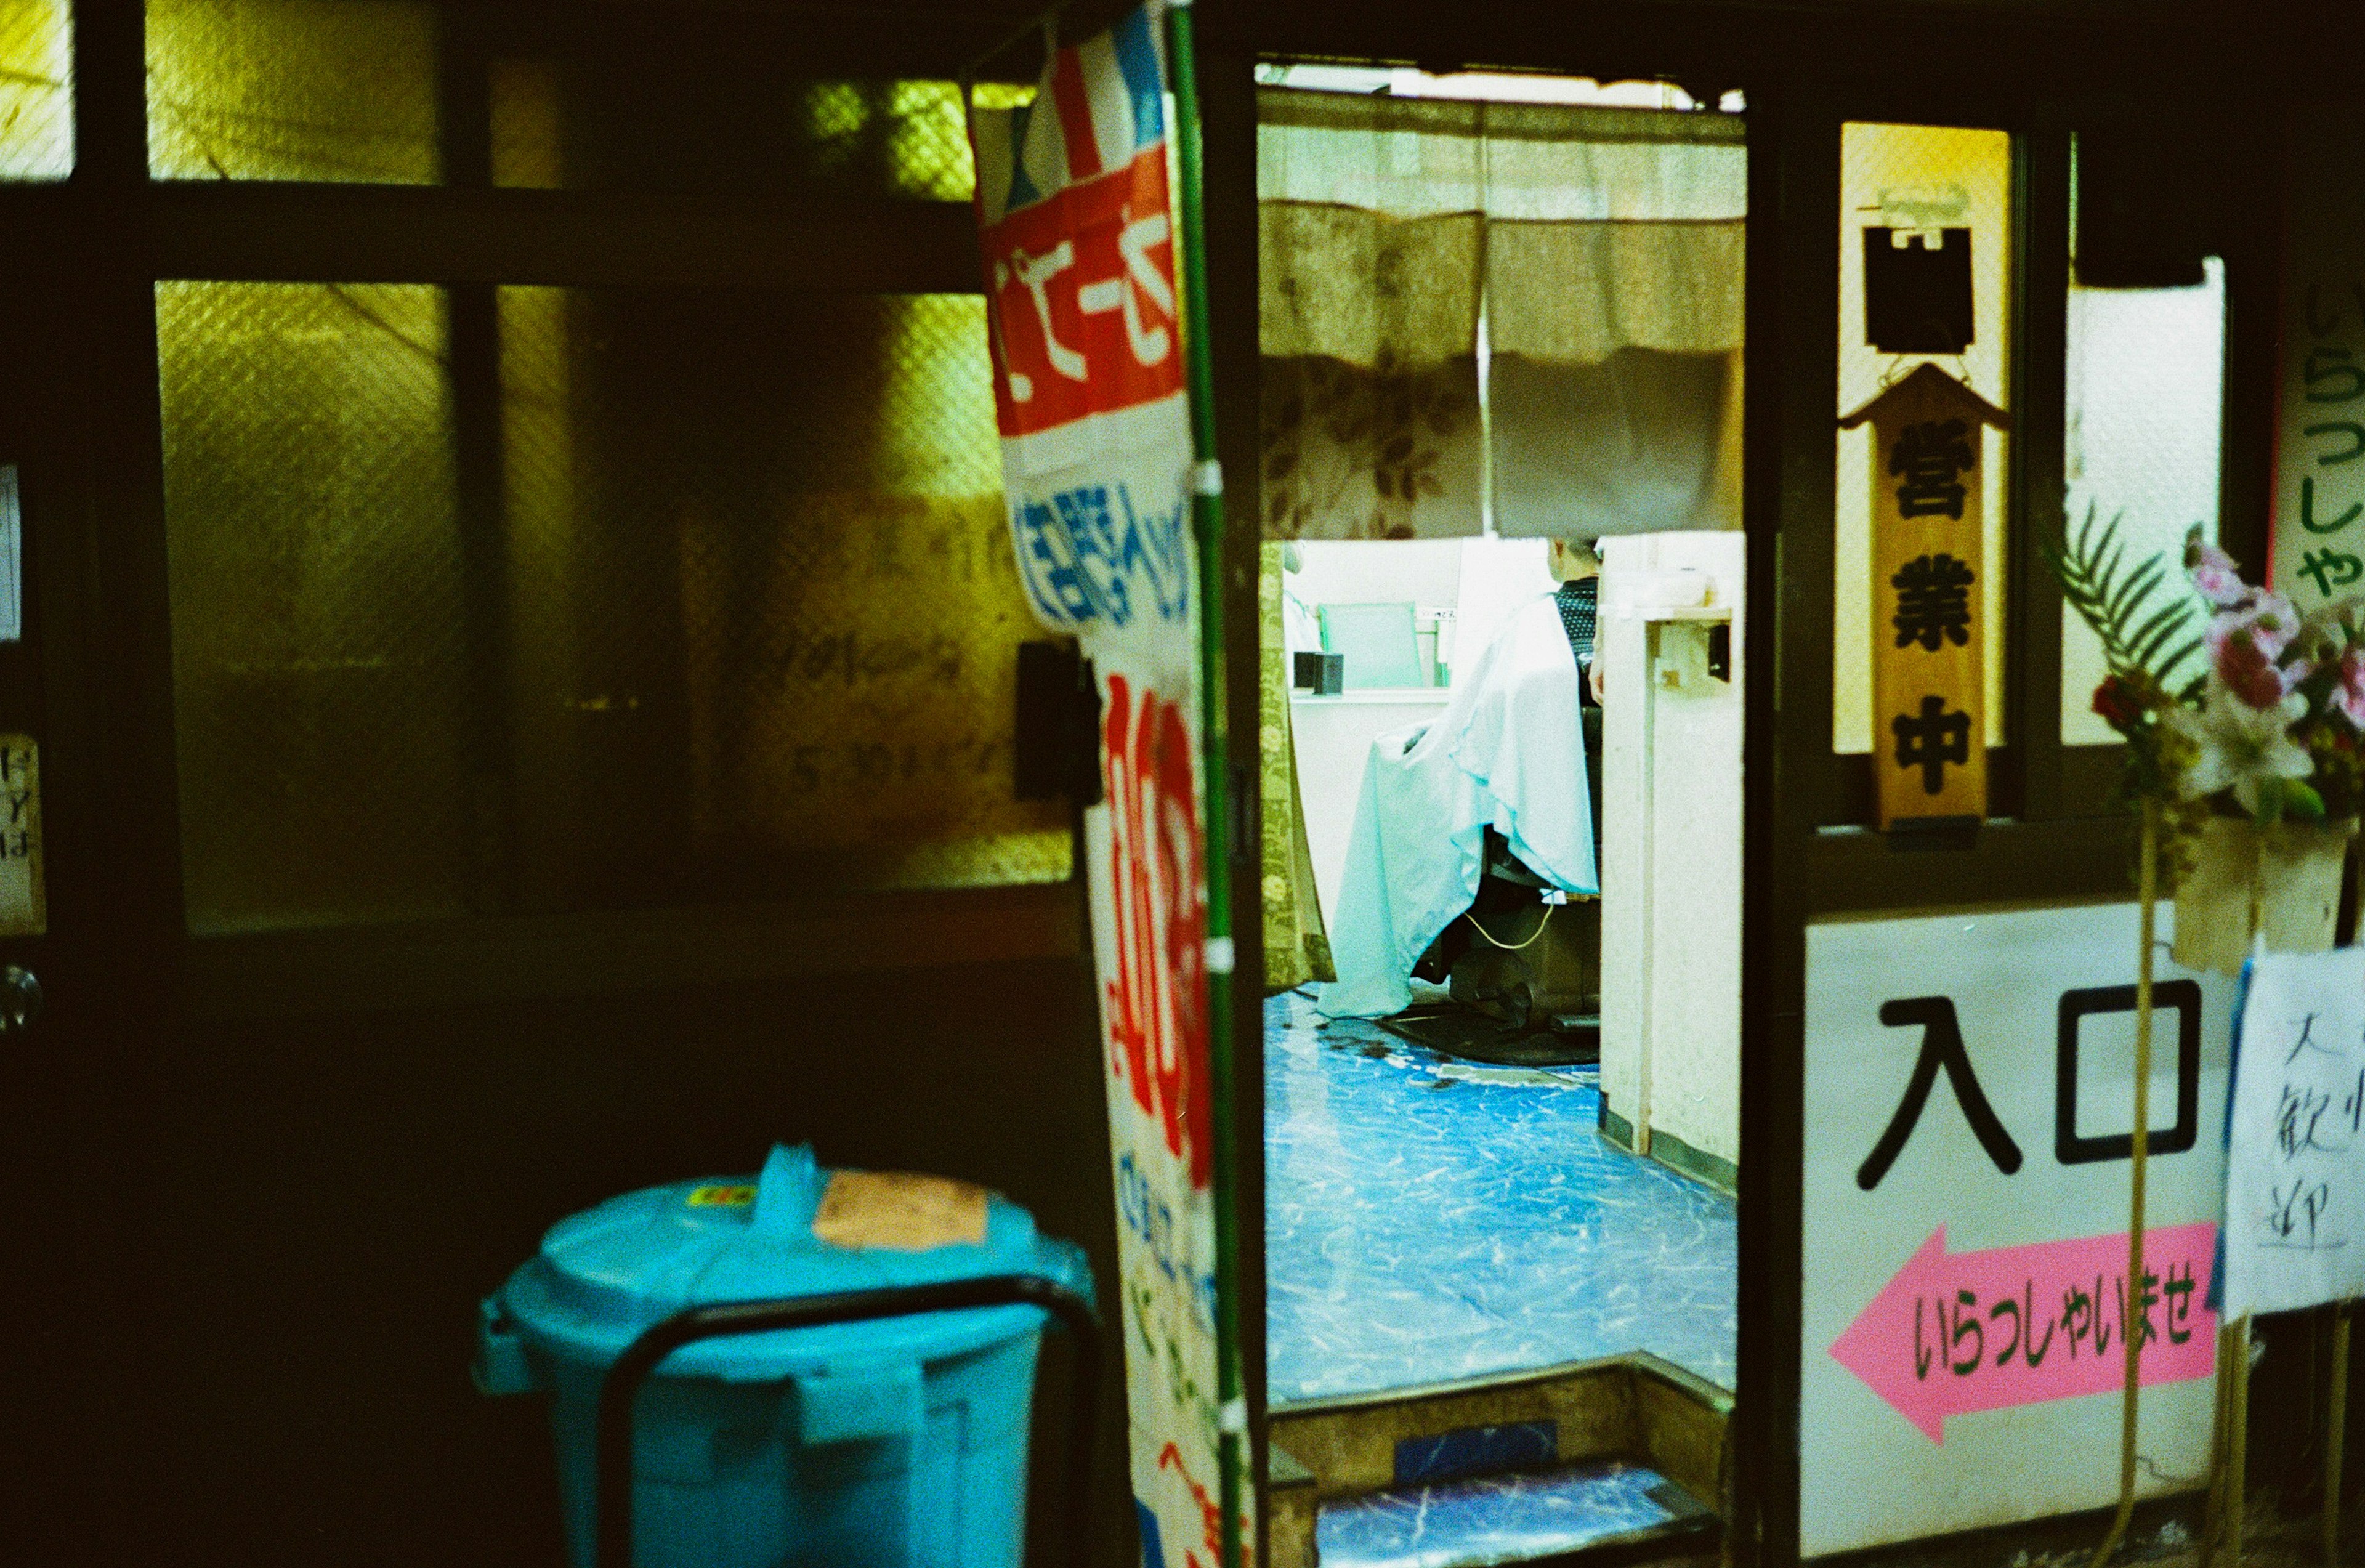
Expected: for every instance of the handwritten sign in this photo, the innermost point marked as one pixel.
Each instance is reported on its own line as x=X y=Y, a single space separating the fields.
x=24 y=898
x=2319 y=529
x=2295 y=1149
x=1928 y=684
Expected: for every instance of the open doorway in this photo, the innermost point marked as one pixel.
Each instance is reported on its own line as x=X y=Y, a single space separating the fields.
x=1502 y=700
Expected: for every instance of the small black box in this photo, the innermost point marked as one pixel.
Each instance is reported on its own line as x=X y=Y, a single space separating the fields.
x=1325 y=674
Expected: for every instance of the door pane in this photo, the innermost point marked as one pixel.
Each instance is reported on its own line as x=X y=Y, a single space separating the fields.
x=763 y=599
x=1919 y=178
x=683 y=116
x=332 y=90
x=733 y=618
x=37 y=128
x=317 y=651
x=2146 y=391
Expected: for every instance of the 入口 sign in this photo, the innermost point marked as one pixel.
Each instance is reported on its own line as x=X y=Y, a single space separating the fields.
x=1964 y=1255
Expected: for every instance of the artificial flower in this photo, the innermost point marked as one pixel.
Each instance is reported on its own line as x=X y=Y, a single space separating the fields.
x=2117 y=703
x=2213 y=573
x=2267 y=619
x=2245 y=664
x=2239 y=745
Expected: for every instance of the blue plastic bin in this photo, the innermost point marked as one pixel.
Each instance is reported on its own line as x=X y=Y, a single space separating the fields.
x=893 y=1443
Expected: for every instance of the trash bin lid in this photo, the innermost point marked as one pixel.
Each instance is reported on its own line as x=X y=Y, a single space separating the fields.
x=605 y=1276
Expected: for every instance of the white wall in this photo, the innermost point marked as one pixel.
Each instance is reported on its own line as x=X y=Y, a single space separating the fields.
x=1671 y=850
x=1482 y=580
x=1425 y=571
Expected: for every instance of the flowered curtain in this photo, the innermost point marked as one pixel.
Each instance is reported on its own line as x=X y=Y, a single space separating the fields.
x=1607 y=246
x=1296 y=949
x=1369 y=230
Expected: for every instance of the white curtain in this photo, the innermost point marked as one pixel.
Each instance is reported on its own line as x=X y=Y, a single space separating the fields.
x=1606 y=244
x=1614 y=311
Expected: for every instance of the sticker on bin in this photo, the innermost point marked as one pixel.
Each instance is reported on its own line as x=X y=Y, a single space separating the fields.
x=720 y=1197
x=899 y=1210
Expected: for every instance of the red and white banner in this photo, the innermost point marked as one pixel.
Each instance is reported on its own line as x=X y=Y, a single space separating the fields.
x=1080 y=261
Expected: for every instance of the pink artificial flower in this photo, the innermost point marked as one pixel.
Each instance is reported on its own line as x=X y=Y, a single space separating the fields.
x=2348 y=688
x=2213 y=573
x=2266 y=618
x=2248 y=671
x=2220 y=586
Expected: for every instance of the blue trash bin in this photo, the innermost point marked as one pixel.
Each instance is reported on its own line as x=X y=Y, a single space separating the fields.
x=891 y=1443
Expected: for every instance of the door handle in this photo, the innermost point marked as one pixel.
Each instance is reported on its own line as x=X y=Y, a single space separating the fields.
x=20 y=999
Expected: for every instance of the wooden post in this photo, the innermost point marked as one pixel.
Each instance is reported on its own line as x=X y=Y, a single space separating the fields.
x=2130 y=1397
x=2237 y=1444
x=2336 y=1434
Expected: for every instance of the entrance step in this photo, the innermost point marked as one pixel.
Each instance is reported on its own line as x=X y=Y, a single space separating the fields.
x=1618 y=1461
x=1591 y=1514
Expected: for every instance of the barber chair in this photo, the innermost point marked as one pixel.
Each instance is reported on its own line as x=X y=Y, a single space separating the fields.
x=1542 y=969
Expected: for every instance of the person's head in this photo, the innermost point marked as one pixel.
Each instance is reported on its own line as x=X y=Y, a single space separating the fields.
x=1573 y=560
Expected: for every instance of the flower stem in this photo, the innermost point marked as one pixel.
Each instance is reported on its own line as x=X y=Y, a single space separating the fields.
x=2132 y=1330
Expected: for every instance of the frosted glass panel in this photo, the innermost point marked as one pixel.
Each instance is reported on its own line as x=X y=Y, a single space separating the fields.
x=2146 y=389
x=762 y=604
x=37 y=127
x=330 y=90
x=1918 y=177
x=318 y=659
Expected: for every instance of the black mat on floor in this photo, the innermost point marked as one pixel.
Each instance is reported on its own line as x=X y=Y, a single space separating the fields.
x=1464 y=1032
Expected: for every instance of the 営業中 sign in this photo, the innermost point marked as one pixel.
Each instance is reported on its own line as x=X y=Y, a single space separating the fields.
x=1929 y=745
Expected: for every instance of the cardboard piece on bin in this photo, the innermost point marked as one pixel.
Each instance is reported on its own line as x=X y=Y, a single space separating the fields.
x=899 y=1210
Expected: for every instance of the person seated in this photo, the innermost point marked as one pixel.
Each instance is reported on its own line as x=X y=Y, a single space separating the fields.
x=1510 y=754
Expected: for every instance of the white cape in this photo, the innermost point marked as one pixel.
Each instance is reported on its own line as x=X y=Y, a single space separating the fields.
x=1509 y=753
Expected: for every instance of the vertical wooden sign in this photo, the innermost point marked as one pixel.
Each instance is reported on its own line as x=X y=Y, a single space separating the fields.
x=1929 y=722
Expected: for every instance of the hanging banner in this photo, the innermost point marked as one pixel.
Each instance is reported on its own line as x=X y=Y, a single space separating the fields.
x=2319 y=530
x=1081 y=263
x=1928 y=687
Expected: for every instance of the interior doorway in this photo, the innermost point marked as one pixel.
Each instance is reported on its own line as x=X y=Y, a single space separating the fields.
x=1502 y=714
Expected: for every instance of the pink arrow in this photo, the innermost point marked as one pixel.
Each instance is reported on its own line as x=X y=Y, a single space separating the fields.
x=1952 y=1334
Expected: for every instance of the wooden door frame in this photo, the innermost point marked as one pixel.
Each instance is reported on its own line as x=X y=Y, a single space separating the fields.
x=1804 y=70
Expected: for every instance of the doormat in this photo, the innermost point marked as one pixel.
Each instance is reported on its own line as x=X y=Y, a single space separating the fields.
x=1464 y=1032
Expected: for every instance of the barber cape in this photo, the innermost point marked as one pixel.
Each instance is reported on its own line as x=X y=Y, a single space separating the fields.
x=1508 y=753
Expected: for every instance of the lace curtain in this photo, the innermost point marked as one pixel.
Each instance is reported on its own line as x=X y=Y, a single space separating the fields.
x=1296 y=948
x=1607 y=246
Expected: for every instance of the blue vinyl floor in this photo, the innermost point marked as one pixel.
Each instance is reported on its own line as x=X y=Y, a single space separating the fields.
x=1429 y=1219
x=1497 y=1519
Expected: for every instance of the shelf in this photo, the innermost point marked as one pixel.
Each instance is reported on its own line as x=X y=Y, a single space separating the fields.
x=1378 y=696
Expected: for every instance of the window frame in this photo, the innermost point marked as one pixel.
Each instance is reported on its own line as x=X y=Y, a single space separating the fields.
x=98 y=241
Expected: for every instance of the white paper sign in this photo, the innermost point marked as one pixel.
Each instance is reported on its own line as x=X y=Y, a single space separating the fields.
x=2295 y=1156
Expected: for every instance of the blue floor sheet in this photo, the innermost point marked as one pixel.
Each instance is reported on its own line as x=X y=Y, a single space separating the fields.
x=1500 y=1518
x=1429 y=1219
